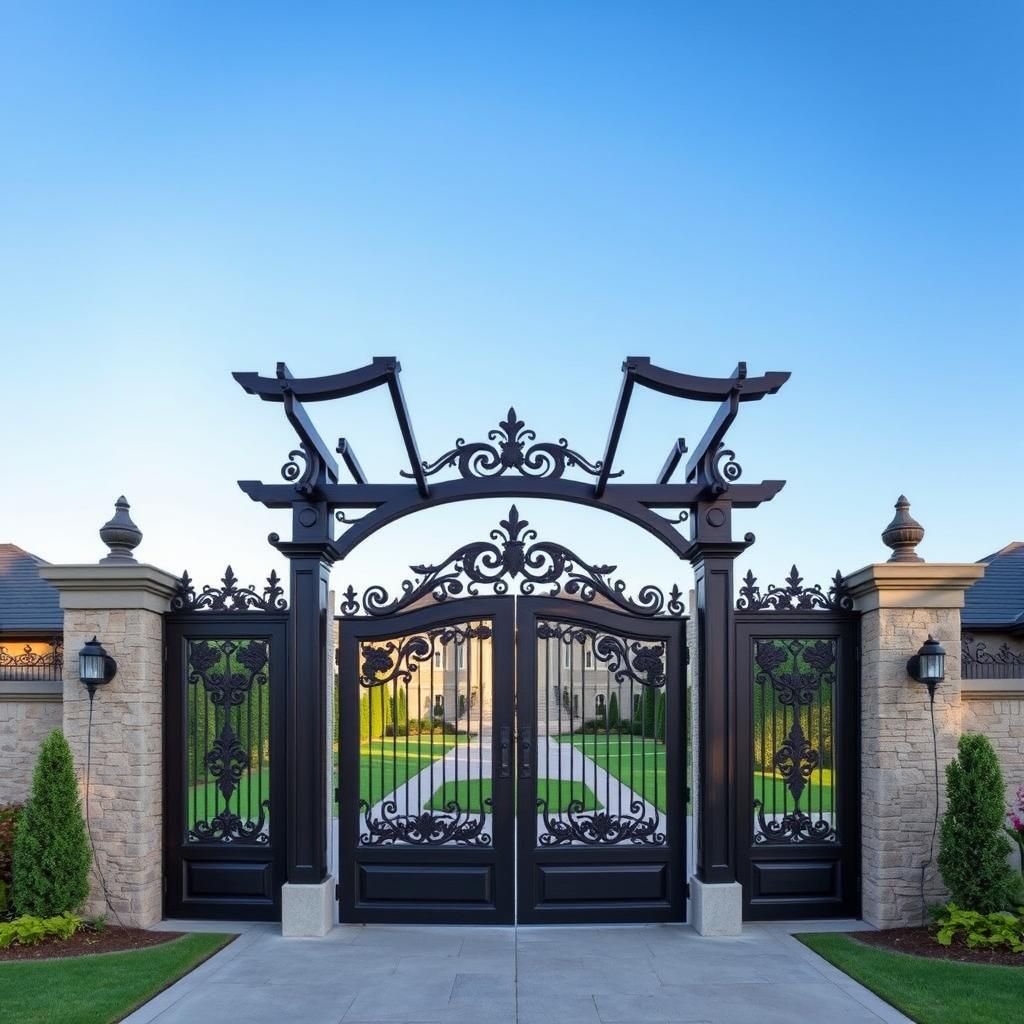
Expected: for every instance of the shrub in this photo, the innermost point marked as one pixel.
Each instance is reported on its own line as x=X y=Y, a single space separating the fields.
x=659 y=718
x=999 y=929
x=613 y=711
x=973 y=846
x=1015 y=830
x=649 y=712
x=51 y=851
x=28 y=930
x=8 y=824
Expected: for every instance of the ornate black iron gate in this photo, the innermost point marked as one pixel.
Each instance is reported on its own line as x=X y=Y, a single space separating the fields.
x=600 y=718
x=225 y=811
x=798 y=809
x=452 y=740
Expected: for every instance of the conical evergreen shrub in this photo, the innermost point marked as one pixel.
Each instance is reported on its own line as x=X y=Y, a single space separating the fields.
x=51 y=849
x=973 y=846
x=613 y=711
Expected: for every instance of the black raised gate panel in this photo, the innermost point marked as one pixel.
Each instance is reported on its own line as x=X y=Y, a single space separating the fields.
x=798 y=786
x=225 y=812
x=426 y=808
x=601 y=809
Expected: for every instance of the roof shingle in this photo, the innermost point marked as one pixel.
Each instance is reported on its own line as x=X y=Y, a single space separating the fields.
x=997 y=599
x=27 y=601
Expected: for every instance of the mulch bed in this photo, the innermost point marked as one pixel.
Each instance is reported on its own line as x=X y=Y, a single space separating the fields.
x=86 y=942
x=922 y=942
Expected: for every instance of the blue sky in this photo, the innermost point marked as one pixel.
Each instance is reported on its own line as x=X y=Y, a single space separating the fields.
x=511 y=198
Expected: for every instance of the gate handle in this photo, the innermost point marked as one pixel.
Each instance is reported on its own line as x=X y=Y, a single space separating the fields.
x=505 y=742
x=525 y=752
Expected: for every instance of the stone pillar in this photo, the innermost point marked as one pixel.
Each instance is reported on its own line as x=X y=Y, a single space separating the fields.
x=121 y=603
x=902 y=602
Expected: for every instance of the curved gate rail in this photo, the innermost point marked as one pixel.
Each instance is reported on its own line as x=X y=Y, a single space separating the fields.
x=798 y=817
x=224 y=750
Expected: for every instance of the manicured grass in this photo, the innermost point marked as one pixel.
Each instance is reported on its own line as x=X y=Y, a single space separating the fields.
x=638 y=763
x=374 y=755
x=927 y=991
x=97 y=989
x=470 y=795
x=778 y=798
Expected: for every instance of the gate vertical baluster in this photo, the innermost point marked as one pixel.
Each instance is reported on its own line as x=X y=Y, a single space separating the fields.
x=607 y=735
x=480 y=719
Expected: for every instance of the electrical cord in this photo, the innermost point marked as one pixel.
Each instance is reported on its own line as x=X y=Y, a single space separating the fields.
x=935 y=820
x=88 y=817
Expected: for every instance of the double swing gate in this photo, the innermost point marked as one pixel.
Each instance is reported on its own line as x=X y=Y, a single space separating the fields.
x=507 y=759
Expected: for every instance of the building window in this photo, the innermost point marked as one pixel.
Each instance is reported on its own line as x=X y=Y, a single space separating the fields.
x=566 y=655
x=588 y=658
x=460 y=659
x=439 y=658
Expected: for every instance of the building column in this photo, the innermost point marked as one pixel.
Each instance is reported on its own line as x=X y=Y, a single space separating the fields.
x=902 y=602
x=122 y=605
x=716 y=896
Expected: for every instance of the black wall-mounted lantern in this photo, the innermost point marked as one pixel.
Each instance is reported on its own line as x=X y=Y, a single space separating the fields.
x=928 y=666
x=95 y=666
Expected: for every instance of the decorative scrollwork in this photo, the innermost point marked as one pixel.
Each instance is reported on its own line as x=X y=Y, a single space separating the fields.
x=979 y=662
x=227 y=671
x=229 y=597
x=601 y=828
x=725 y=470
x=634 y=661
x=426 y=828
x=510 y=452
x=801 y=673
x=397 y=660
x=31 y=664
x=510 y=555
x=794 y=596
x=795 y=687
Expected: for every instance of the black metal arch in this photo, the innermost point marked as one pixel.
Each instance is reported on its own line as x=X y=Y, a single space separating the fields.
x=513 y=555
x=511 y=463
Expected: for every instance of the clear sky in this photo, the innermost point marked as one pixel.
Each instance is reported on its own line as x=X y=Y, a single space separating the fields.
x=511 y=198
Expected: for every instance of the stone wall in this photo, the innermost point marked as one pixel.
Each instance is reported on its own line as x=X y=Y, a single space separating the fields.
x=26 y=719
x=1000 y=716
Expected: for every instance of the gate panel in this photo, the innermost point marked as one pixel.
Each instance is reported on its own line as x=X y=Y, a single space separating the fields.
x=425 y=765
x=601 y=733
x=798 y=819
x=224 y=743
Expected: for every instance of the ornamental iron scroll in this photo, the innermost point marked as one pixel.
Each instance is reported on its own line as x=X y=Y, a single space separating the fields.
x=793 y=740
x=33 y=664
x=510 y=555
x=636 y=661
x=229 y=597
x=511 y=451
x=228 y=732
x=978 y=662
x=386 y=669
x=794 y=596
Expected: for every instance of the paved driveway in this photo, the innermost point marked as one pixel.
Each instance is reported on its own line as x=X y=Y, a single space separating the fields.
x=538 y=975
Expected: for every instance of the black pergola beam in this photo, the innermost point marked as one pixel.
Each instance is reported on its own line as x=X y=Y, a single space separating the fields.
x=348 y=456
x=704 y=389
x=618 y=420
x=319 y=389
x=677 y=452
x=405 y=426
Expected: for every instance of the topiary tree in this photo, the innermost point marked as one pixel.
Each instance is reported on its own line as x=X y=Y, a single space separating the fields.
x=649 y=711
x=364 y=718
x=51 y=850
x=659 y=718
x=613 y=711
x=973 y=846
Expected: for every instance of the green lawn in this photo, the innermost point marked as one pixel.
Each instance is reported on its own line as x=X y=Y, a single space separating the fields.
x=928 y=991
x=396 y=769
x=558 y=795
x=776 y=796
x=639 y=764
x=97 y=989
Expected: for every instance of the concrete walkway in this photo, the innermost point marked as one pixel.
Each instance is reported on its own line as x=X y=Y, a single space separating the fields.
x=643 y=974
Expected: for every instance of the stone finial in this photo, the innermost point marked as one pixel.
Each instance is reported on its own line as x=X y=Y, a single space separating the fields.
x=903 y=534
x=121 y=535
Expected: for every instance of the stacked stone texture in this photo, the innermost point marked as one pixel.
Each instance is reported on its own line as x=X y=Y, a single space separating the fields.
x=24 y=724
x=1002 y=721
x=126 y=783
x=898 y=762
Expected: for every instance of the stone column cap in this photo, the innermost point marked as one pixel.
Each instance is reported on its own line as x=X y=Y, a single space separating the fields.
x=912 y=584
x=112 y=586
